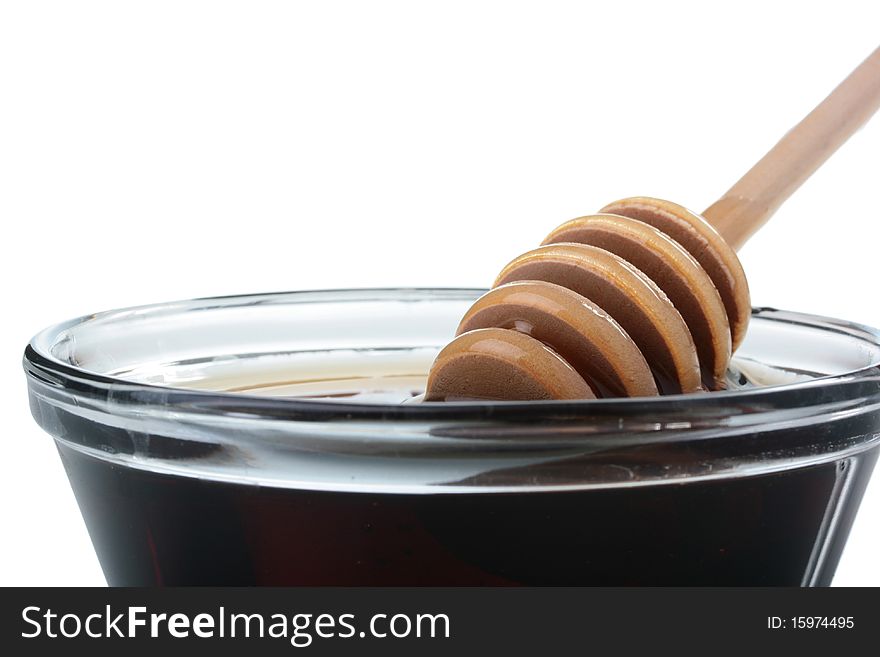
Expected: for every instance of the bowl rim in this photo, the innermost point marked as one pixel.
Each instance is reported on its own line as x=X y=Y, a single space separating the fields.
x=40 y=364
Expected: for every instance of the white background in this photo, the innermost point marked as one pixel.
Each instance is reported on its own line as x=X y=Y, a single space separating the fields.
x=153 y=151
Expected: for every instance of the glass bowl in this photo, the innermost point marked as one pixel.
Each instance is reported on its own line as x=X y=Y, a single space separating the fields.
x=181 y=481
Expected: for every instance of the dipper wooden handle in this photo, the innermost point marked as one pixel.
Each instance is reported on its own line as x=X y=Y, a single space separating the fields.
x=756 y=196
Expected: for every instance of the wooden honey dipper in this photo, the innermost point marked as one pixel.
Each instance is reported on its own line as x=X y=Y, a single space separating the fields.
x=645 y=297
